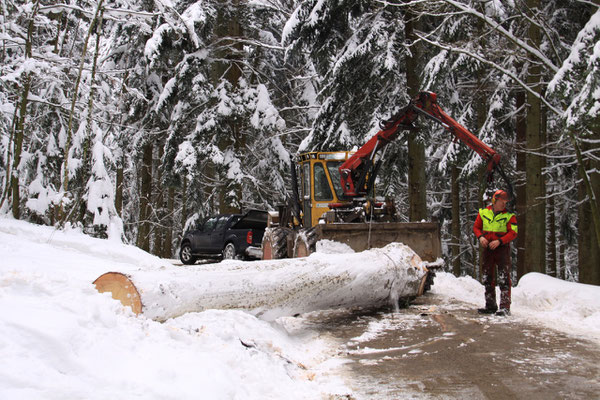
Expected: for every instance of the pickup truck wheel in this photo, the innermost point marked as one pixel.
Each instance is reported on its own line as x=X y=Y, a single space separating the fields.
x=185 y=254
x=229 y=252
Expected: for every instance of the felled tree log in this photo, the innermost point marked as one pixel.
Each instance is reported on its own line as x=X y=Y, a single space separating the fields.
x=272 y=288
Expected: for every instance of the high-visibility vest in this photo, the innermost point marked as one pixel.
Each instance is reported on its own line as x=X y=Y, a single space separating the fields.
x=496 y=223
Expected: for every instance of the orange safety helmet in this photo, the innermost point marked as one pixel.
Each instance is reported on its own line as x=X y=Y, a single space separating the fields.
x=500 y=194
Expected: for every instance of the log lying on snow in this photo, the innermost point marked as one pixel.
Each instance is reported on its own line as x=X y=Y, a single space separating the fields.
x=273 y=288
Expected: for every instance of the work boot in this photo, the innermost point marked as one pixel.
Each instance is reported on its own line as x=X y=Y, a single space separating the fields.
x=503 y=312
x=487 y=310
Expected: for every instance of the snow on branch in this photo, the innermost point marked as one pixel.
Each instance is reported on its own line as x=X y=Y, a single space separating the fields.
x=493 y=65
x=498 y=28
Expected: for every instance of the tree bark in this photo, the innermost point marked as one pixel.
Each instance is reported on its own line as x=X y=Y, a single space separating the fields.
x=552 y=256
x=521 y=185
x=159 y=206
x=472 y=212
x=588 y=249
x=417 y=183
x=143 y=239
x=18 y=149
x=19 y=126
x=170 y=224
x=184 y=202
x=119 y=187
x=455 y=241
x=535 y=239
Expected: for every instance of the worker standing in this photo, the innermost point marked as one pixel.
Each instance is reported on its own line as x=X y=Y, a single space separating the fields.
x=495 y=228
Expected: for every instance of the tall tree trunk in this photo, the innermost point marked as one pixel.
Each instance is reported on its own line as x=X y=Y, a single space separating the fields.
x=472 y=213
x=535 y=239
x=184 y=202
x=482 y=115
x=455 y=241
x=562 y=250
x=521 y=185
x=170 y=223
x=417 y=184
x=19 y=125
x=481 y=204
x=143 y=239
x=552 y=256
x=8 y=165
x=228 y=26
x=18 y=149
x=589 y=250
x=65 y=182
x=595 y=184
x=119 y=186
x=87 y=167
x=159 y=207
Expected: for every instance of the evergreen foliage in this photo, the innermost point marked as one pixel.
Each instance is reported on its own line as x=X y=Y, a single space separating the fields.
x=133 y=120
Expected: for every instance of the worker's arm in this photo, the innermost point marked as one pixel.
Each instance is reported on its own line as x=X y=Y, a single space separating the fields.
x=511 y=231
x=478 y=231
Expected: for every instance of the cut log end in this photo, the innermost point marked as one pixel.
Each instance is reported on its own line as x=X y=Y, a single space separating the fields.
x=121 y=288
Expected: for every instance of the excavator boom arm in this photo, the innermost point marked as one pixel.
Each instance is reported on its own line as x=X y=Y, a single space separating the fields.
x=360 y=166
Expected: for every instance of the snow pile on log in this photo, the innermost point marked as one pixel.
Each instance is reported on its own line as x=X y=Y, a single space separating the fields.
x=272 y=288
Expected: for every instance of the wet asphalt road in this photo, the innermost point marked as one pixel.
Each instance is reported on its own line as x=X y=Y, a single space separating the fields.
x=432 y=350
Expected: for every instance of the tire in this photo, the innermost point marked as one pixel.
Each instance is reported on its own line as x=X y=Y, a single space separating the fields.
x=274 y=243
x=230 y=252
x=185 y=254
x=305 y=243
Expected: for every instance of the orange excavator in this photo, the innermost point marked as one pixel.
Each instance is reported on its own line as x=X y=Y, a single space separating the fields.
x=334 y=197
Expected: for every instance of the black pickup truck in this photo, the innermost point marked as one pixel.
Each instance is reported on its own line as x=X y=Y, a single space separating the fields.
x=226 y=236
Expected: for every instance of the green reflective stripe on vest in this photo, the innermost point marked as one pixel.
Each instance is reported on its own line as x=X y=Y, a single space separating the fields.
x=495 y=223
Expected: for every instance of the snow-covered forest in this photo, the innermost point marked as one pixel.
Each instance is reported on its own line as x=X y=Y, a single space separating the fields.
x=134 y=118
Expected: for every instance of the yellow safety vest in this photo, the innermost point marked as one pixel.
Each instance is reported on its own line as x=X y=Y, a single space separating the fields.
x=496 y=223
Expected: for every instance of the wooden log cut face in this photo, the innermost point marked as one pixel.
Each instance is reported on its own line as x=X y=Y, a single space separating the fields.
x=121 y=288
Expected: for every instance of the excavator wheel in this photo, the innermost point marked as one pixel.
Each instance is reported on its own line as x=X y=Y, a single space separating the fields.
x=274 y=243
x=305 y=243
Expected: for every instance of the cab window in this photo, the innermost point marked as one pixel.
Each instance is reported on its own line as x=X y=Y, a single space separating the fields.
x=322 y=189
x=306 y=180
x=334 y=172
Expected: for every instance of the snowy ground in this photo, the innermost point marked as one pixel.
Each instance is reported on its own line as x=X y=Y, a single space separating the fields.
x=60 y=338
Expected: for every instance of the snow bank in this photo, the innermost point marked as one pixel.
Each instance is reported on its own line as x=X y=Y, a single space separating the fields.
x=569 y=307
x=61 y=339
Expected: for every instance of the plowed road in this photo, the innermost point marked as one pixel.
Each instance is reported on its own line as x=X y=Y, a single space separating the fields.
x=433 y=350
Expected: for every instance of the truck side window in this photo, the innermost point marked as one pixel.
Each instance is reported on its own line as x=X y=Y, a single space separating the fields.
x=209 y=225
x=221 y=223
x=322 y=189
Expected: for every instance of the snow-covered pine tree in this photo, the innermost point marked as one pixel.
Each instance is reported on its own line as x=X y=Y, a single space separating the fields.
x=575 y=85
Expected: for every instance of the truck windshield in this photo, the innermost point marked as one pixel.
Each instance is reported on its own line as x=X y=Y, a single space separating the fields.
x=334 y=173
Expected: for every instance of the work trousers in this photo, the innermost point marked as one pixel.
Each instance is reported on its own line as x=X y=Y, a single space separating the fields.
x=500 y=257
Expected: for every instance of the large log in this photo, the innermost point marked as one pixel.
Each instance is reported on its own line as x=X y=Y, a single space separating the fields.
x=272 y=288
